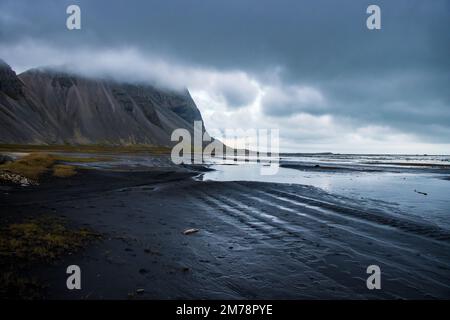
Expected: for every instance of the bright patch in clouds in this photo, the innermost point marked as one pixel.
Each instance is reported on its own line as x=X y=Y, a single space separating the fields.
x=289 y=100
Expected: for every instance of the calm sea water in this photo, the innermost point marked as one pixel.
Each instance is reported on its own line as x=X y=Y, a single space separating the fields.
x=396 y=184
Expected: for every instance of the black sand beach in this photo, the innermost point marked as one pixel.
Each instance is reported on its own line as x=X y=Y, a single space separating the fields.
x=255 y=240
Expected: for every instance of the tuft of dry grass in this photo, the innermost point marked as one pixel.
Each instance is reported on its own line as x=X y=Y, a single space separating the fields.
x=31 y=166
x=92 y=148
x=38 y=240
x=17 y=286
x=64 y=158
x=63 y=171
x=34 y=165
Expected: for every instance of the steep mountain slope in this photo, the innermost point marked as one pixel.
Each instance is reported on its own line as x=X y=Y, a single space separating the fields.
x=48 y=107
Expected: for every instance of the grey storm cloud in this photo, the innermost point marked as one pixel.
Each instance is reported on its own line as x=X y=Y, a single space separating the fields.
x=327 y=61
x=236 y=95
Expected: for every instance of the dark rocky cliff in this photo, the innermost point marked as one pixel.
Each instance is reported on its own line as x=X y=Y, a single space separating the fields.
x=43 y=106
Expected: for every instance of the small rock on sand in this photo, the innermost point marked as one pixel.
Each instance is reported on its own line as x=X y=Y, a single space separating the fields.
x=190 y=231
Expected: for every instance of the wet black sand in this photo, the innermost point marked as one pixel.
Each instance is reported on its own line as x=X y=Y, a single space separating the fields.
x=255 y=240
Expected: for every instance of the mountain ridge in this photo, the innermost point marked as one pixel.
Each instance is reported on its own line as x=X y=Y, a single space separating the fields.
x=48 y=106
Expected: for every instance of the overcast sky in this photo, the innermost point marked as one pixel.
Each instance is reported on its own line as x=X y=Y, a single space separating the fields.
x=310 y=68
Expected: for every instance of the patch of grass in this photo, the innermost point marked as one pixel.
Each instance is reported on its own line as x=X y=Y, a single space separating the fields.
x=31 y=166
x=92 y=148
x=64 y=158
x=63 y=171
x=34 y=165
x=16 y=286
x=38 y=240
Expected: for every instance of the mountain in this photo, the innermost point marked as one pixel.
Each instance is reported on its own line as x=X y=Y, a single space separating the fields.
x=43 y=106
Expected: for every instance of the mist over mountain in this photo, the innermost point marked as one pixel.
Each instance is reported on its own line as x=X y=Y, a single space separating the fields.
x=47 y=106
